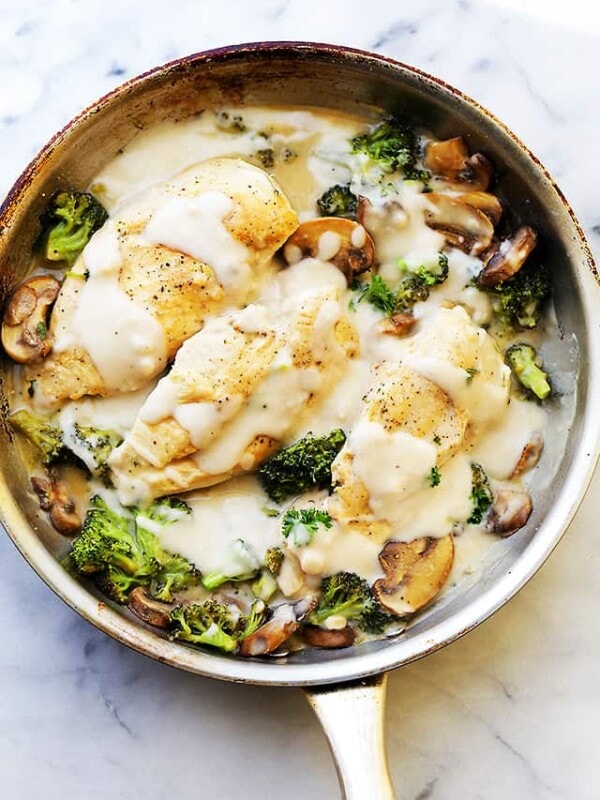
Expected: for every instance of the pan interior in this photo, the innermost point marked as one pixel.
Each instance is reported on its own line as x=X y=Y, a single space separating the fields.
x=362 y=85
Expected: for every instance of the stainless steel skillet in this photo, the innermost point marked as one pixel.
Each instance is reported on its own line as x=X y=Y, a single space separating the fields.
x=346 y=688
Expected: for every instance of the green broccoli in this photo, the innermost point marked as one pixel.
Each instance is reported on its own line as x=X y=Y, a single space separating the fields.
x=213 y=623
x=392 y=145
x=99 y=445
x=44 y=435
x=413 y=287
x=209 y=623
x=304 y=465
x=68 y=224
x=242 y=565
x=523 y=361
x=247 y=625
x=108 y=540
x=301 y=524
x=430 y=277
x=265 y=586
x=346 y=594
x=119 y=550
x=481 y=494
x=338 y=201
x=519 y=301
x=274 y=559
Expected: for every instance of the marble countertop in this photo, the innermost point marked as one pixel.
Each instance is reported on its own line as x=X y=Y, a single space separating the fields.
x=512 y=709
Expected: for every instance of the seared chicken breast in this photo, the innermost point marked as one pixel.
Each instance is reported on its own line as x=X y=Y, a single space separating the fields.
x=147 y=281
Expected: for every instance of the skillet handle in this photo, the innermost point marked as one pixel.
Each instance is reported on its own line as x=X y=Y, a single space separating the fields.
x=352 y=716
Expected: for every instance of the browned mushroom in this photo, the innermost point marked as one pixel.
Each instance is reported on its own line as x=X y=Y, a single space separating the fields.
x=321 y=637
x=509 y=512
x=61 y=508
x=450 y=161
x=509 y=257
x=344 y=243
x=485 y=202
x=149 y=610
x=25 y=324
x=530 y=455
x=272 y=634
x=414 y=573
x=399 y=324
x=463 y=225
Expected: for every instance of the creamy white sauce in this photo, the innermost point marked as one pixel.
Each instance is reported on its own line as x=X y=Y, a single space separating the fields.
x=195 y=226
x=125 y=342
x=394 y=467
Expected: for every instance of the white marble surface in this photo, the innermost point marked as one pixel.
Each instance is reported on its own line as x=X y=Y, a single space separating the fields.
x=512 y=710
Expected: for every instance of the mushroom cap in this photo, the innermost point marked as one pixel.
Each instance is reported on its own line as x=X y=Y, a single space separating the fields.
x=463 y=225
x=509 y=512
x=509 y=257
x=25 y=325
x=414 y=573
x=343 y=242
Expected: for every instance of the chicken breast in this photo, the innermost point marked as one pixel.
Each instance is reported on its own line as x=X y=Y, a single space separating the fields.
x=234 y=393
x=148 y=279
x=408 y=427
x=405 y=470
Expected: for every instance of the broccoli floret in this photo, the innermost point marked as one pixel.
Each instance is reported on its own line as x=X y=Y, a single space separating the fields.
x=274 y=560
x=338 y=201
x=301 y=524
x=265 y=586
x=304 y=465
x=413 y=287
x=391 y=145
x=107 y=540
x=41 y=433
x=242 y=565
x=346 y=594
x=481 y=494
x=430 y=277
x=248 y=625
x=524 y=363
x=162 y=512
x=214 y=624
x=68 y=224
x=121 y=552
x=208 y=623
x=99 y=444
x=518 y=302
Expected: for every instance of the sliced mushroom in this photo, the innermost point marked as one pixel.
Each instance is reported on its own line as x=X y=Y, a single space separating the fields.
x=509 y=257
x=399 y=324
x=377 y=218
x=149 y=610
x=321 y=637
x=509 y=512
x=61 y=508
x=463 y=225
x=485 y=202
x=530 y=455
x=272 y=634
x=450 y=160
x=415 y=572
x=344 y=243
x=25 y=324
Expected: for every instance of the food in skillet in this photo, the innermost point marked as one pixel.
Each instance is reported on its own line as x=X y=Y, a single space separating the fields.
x=280 y=375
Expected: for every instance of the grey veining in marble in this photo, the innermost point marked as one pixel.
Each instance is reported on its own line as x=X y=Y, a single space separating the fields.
x=512 y=710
